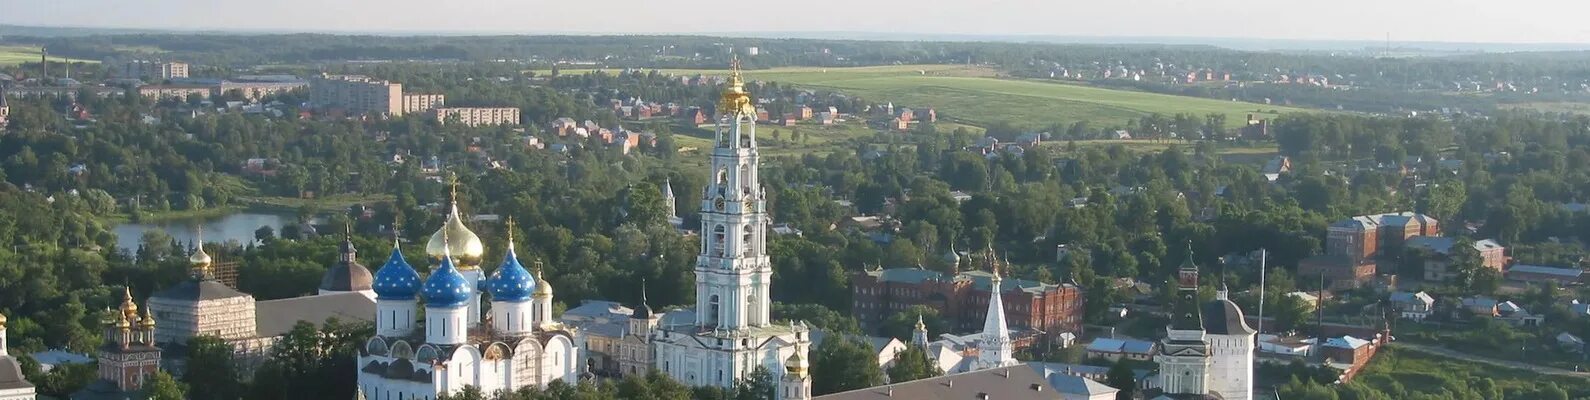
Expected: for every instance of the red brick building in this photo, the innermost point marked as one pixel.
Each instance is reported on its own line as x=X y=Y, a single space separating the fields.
x=1366 y=236
x=962 y=299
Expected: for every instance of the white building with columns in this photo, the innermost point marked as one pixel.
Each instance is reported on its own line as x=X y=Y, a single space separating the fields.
x=518 y=345
x=731 y=334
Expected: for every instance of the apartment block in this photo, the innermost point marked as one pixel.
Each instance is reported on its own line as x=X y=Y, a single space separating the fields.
x=357 y=94
x=478 y=116
x=422 y=102
x=155 y=71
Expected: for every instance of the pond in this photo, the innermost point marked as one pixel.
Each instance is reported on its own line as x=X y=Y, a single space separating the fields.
x=238 y=226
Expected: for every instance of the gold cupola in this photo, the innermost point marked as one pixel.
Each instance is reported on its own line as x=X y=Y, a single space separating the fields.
x=2 y=321
x=796 y=365
x=735 y=99
x=456 y=239
x=199 y=261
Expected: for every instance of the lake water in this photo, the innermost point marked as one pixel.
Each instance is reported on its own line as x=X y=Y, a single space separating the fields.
x=239 y=227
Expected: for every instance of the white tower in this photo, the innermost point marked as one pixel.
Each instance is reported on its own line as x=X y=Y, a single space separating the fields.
x=395 y=286
x=511 y=294
x=731 y=336
x=1231 y=344
x=447 y=298
x=673 y=204
x=994 y=351
x=732 y=271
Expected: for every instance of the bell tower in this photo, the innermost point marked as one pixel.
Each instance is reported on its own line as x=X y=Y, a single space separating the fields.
x=733 y=272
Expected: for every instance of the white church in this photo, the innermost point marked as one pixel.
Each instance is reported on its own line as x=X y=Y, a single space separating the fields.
x=518 y=345
x=731 y=334
x=1208 y=349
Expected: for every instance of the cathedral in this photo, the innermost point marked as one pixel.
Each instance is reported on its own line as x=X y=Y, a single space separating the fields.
x=516 y=345
x=1207 y=352
x=730 y=334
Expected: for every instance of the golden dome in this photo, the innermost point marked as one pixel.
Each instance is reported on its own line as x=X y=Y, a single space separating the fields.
x=543 y=289
x=735 y=99
x=796 y=364
x=455 y=238
x=2 y=321
x=148 y=321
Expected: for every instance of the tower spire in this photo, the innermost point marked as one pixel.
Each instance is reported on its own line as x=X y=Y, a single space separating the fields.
x=995 y=348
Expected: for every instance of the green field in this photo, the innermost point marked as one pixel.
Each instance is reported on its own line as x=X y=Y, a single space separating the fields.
x=13 y=55
x=977 y=96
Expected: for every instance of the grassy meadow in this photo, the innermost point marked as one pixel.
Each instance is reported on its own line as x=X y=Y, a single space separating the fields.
x=13 y=55
x=975 y=95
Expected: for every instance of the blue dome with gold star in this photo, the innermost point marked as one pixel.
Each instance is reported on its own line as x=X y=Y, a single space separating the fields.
x=396 y=280
x=512 y=282
x=446 y=287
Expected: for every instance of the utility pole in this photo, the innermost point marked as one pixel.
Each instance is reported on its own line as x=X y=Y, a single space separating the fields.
x=1263 y=256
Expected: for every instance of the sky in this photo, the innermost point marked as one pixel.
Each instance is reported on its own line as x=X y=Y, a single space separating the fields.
x=1490 y=21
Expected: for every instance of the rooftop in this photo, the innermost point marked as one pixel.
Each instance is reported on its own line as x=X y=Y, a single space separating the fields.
x=1017 y=382
x=276 y=317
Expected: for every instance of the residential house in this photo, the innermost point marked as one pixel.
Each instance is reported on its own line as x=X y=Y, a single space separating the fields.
x=1569 y=342
x=1414 y=306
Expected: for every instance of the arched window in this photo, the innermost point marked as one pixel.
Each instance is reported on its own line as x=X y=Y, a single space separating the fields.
x=712 y=319
x=746 y=247
x=723 y=176
x=719 y=237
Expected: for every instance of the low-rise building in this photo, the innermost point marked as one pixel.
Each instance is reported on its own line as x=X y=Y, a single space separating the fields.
x=1541 y=273
x=1118 y=349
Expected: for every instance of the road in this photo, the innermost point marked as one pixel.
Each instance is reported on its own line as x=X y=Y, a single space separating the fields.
x=1446 y=352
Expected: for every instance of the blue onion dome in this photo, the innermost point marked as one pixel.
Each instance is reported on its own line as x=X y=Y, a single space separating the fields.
x=396 y=280
x=446 y=287
x=512 y=282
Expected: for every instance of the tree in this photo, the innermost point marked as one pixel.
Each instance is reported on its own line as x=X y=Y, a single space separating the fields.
x=161 y=386
x=1121 y=376
x=912 y=364
x=759 y=385
x=1290 y=311
x=842 y=363
x=212 y=374
x=646 y=206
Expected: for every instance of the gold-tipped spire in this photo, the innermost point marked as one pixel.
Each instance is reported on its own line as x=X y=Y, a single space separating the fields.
x=735 y=99
x=129 y=310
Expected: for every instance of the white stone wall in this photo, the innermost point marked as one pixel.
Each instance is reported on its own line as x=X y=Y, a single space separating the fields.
x=1231 y=366
x=17 y=394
